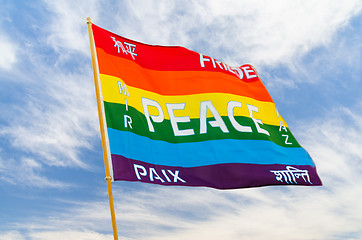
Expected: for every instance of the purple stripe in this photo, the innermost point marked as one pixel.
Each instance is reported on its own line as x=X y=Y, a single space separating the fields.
x=220 y=176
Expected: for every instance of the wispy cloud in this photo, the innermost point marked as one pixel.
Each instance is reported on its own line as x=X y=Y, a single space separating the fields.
x=67 y=31
x=54 y=116
x=335 y=141
x=8 y=51
x=60 y=235
x=264 y=33
x=80 y=235
x=53 y=120
x=11 y=235
x=27 y=172
x=57 y=120
x=325 y=77
x=8 y=45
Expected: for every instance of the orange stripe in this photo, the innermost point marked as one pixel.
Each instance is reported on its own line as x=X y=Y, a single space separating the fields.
x=178 y=82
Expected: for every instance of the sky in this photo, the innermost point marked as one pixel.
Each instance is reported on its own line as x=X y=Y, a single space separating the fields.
x=307 y=53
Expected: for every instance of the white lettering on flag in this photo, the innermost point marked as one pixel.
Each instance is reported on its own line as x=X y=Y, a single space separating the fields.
x=218 y=122
x=159 y=118
x=153 y=174
x=230 y=109
x=174 y=120
x=257 y=122
x=291 y=174
x=129 y=49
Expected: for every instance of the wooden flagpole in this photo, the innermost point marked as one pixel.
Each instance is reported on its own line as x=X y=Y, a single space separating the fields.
x=101 y=125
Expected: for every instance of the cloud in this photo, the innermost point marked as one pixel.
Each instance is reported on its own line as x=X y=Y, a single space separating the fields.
x=335 y=139
x=60 y=235
x=67 y=30
x=55 y=235
x=29 y=172
x=11 y=235
x=331 y=62
x=57 y=120
x=9 y=45
x=51 y=118
x=78 y=220
x=8 y=49
x=263 y=33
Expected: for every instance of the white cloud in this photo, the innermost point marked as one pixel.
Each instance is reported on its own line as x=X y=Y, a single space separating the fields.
x=11 y=235
x=56 y=235
x=27 y=172
x=331 y=64
x=80 y=220
x=262 y=32
x=60 y=235
x=56 y=117
x=67 y=30
x=8 y=50
x=58 y=120
x=335 y=140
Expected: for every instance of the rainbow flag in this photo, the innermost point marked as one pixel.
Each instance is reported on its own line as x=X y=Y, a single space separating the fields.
x=178 y=117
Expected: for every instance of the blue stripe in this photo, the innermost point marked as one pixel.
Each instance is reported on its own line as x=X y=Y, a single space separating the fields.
x=204 y=153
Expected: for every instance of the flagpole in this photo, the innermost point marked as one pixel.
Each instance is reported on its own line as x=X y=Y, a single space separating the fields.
x=101 y=125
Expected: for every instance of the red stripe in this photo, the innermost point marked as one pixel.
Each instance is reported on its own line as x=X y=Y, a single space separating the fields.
x=162 y=58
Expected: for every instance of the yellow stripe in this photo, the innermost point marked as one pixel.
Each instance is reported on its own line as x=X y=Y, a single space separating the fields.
x=133 y=97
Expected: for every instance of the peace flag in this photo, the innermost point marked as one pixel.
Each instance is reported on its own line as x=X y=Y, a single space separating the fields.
x=177 y=117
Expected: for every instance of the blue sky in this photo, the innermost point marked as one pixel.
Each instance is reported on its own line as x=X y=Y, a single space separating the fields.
x=308 y=54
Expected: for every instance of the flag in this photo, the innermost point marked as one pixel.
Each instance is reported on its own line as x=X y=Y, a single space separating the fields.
x=177 y=117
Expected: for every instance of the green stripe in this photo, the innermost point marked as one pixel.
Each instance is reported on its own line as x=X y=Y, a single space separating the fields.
x=163 y=131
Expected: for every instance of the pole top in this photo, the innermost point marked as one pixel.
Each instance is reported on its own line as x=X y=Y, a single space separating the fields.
x=89 y=20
